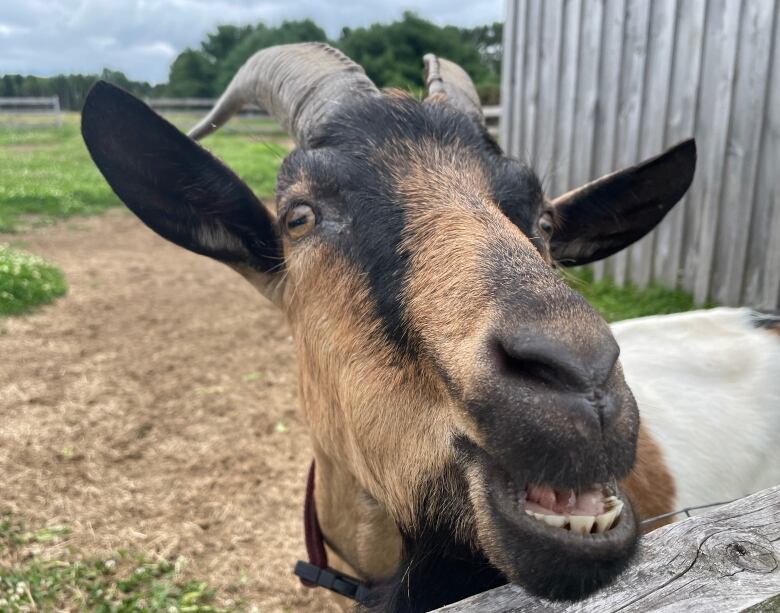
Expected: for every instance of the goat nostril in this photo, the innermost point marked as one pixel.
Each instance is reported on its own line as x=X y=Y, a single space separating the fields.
x=532 y=365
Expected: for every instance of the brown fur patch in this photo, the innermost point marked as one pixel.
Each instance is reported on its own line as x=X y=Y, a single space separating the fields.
x=447 y=293
x=650 y=486
x=364 y=409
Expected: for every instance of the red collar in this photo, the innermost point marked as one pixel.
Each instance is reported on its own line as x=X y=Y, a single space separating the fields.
x=315 y=572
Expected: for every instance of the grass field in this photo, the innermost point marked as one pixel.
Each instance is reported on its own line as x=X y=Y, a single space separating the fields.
x=37 y=572
x=46 y=173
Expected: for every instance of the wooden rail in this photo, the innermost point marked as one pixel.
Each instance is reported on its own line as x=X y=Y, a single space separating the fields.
x=26 y=106
x=724 y=560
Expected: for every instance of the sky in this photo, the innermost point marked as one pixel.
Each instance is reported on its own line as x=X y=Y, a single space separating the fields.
x=141 y=37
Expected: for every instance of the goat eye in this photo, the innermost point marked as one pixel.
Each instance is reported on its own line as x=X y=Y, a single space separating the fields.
x=546 y=224
x=300 y=220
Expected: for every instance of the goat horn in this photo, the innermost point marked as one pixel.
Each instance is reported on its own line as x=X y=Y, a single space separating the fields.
x=300 y=85
x=445 y=77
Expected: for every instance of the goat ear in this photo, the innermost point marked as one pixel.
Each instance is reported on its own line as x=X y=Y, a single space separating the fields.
x=610 y=213
x=173 y=185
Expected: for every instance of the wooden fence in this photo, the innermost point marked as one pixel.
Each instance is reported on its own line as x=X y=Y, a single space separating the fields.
x=724 y=560
x=589 y=86
x=17 y=112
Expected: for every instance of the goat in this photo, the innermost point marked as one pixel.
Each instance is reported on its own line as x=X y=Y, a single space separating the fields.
x=469 y=417
x=708 y=390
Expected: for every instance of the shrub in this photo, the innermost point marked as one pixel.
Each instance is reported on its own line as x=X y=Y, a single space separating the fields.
x=27 y=281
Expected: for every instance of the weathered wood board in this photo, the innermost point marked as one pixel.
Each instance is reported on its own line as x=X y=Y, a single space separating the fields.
x=725 y=560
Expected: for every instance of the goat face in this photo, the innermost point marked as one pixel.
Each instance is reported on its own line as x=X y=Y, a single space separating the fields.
x=445 y=368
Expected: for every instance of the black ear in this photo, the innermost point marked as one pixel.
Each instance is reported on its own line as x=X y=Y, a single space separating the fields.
x=176 y=187
x=610 y=213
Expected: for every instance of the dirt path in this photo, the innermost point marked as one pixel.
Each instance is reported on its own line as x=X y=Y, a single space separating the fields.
x=154 y=408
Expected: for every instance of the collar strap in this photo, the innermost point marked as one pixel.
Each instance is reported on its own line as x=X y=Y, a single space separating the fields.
x=315 y=572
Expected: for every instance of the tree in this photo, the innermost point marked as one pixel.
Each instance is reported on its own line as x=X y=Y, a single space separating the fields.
x=192 y=76
x=219 y=44
x=263 y=36
x=392 y=53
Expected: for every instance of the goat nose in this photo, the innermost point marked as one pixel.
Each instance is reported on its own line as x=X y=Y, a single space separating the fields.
x=539 y=360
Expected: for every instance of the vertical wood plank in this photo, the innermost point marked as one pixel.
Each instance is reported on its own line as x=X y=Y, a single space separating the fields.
x=656 y=98
x=750 y=89
x=549 y=67
x=631 y=95
x=720 y=52
x=609 y=90
x=680 y=123
x=527 y=149
x=770 y=299
x=762 y=283
x=587 y=94
x=509 y=96
x=567 y=97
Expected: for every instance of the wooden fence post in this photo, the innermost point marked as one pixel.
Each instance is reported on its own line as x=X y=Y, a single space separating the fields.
x=725 y=560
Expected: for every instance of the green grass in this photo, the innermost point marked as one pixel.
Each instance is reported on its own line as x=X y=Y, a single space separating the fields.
x=27 y=281
x=616 y=303
x=35 y=575
x=47 y=174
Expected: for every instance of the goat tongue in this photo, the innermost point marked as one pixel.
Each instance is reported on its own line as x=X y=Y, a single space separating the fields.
x=567 y=502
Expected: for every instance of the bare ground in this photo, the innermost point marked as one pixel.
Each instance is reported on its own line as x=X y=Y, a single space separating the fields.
x=154 y=408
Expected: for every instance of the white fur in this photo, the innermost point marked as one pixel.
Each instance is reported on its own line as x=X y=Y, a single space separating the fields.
x=708 y=388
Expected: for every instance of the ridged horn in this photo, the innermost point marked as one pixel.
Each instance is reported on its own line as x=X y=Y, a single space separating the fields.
x=445 y=77
x=300 y=85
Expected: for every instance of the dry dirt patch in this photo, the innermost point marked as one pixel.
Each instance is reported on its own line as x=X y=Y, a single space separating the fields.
x=154 y=408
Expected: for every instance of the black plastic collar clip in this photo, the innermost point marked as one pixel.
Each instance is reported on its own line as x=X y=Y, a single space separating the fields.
x=333 y=581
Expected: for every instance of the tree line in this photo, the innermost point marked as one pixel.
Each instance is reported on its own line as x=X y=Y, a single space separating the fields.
x=390 y=53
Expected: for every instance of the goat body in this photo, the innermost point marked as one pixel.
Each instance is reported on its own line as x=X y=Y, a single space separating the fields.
x=708 y=388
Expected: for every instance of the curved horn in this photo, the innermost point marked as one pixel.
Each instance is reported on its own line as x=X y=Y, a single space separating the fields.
x=300 y=85
x=445 y=77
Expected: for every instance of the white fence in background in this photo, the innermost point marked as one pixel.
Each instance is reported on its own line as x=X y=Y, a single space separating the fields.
x=589 y=86
x=26 y=112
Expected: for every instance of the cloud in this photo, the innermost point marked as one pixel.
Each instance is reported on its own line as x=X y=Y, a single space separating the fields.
x=141 y=37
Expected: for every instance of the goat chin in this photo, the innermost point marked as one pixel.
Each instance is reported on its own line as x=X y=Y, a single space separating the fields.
x=708 y=388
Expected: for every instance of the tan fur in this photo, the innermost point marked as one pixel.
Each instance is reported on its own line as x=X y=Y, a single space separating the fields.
x=650 y=486
x=447 y=295
x=355 y=395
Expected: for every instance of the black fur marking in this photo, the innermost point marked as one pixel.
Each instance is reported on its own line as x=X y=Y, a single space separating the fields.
x=435 y=572
x=173 y=185
x=613 y=212
x=768 y=321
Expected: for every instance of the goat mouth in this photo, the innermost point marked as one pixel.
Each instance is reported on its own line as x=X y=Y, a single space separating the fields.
x=595 y=518
x=558 y=542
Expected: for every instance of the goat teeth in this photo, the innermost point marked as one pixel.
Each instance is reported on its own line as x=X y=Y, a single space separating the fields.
x=581 y=523
x=539 y=516
x=556 y=521
x=605 y=521
x=527 y=512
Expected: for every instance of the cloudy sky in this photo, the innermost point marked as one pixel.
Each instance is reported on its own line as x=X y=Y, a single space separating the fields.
x=141 y=37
